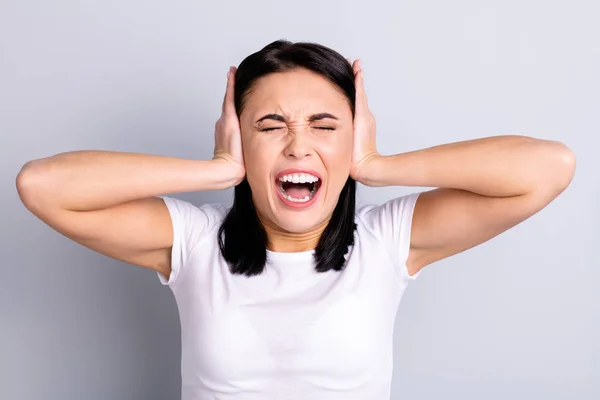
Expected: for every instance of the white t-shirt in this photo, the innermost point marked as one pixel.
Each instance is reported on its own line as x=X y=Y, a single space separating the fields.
x=291 y=332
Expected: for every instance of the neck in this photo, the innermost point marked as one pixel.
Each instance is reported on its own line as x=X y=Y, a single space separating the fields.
x=290 y=242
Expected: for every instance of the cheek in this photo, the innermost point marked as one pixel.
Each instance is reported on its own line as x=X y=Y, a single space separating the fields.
x=259 y=158
x=255 y=152
x=338 y=155
x=337 y=160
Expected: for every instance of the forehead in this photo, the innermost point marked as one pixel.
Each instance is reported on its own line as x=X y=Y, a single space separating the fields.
x=298 y=91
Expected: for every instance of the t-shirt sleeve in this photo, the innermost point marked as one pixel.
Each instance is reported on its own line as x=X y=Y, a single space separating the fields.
x=392 y=222
x=189 y=223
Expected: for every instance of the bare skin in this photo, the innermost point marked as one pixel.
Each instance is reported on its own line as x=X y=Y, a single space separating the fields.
x=107 y=201
x=485 y=186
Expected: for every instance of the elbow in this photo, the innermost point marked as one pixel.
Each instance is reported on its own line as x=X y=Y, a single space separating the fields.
x=566 y=165
x=560 y=169
x=30 y=185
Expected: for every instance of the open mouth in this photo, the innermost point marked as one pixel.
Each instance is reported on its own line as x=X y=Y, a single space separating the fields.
x=298 y=188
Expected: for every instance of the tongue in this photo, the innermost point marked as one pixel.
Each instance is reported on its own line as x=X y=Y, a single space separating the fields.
x=297 y=191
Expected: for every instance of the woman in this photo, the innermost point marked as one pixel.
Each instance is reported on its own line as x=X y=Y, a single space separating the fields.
x=291 y=293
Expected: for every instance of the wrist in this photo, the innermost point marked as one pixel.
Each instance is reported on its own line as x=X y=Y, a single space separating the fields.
x=225 y=173
x=380 y=171
x=368 y=171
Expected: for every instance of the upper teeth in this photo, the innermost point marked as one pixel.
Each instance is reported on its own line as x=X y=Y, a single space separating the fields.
x=298 y=178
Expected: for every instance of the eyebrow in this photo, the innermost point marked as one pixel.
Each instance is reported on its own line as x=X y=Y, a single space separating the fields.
x=281 y=118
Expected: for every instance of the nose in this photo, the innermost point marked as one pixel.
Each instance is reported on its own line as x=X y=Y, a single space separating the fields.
x=298 y=146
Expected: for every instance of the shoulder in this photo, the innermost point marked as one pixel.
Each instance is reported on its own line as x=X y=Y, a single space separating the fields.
x=386 y=229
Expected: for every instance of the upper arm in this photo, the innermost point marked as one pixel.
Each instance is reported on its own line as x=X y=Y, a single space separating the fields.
x=138 y=232
x=449 y=221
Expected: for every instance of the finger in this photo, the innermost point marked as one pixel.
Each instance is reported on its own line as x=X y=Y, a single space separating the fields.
x=229 y=101
x=356 y=66
x=361 y=96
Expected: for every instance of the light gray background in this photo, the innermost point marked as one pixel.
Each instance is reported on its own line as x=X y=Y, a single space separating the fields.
x=515 y=318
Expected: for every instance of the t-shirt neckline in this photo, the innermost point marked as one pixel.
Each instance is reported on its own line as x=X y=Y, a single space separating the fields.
x=299 y=256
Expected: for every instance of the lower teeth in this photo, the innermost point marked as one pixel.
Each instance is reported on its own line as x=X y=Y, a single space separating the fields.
x=307 y=198
x=290 y=198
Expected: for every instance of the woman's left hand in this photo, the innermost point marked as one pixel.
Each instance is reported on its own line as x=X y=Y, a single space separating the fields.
x=364 y=144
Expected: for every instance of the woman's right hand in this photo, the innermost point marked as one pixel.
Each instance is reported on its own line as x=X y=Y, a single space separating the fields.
x=228 y=137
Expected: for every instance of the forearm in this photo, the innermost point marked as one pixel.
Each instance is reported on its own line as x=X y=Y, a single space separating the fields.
x=91 y=180
x=498 y=166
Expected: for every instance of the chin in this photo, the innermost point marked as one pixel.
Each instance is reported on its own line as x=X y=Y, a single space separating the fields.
x=298 y=223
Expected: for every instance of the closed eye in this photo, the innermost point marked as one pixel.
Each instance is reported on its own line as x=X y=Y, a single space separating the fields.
x=324 y=128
